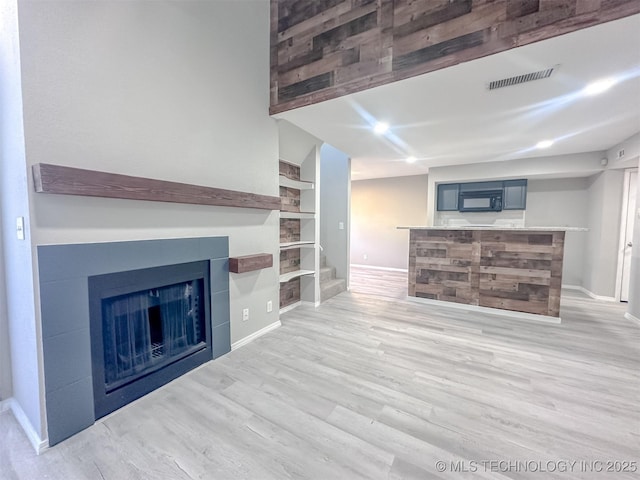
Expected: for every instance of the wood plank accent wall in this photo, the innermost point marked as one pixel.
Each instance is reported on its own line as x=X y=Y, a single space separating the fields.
x=289 y=230
x=290 y=292
x=290 y=199
x=289 y=260
x=91 y=183
x=289 y=170
x=250 y=263
x=520 y=271
x=322 y=49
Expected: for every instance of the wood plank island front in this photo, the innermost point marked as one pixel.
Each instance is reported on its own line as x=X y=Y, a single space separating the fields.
x=518 y=269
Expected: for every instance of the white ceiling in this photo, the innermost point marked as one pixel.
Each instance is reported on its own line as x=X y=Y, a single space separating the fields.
x=449 y=117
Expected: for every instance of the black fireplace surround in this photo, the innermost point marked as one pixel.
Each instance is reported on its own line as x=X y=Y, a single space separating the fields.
x=176 y=317
x=148 y=327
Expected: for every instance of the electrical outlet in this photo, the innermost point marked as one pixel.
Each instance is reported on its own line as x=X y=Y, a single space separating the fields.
x=340 y=225
x=269 y=306
x=365 y=256
x=245 y=314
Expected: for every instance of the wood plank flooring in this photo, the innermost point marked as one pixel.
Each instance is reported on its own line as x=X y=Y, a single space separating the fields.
x=371 y=386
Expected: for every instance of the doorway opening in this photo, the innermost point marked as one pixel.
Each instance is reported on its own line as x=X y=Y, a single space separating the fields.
x=629 y=206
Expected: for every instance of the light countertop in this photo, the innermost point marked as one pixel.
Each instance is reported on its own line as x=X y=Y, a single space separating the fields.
x=498 y=227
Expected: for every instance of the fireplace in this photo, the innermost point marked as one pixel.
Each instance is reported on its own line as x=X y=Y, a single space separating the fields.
x=155 y=277
x=147 y=328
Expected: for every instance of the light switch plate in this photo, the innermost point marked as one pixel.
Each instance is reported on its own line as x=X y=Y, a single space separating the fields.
x=20 y=228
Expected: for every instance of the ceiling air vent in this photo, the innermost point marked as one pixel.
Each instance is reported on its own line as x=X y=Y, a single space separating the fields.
x=527 y=77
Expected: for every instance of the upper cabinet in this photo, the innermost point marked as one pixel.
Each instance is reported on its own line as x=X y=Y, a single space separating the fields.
x=448 y=197
x=482 y=196
x=515 y=195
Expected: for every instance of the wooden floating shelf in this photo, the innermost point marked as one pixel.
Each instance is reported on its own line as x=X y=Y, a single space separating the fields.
x=297 y=184
x=302 y=244
x=295 y=215
x=250 y=263
x=285 y=277
x=62 y=180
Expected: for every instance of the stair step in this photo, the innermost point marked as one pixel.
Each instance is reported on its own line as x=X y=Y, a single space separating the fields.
x=327 y=273
x=332 y=288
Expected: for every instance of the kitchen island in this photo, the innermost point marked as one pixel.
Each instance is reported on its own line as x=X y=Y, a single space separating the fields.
x=517 y=269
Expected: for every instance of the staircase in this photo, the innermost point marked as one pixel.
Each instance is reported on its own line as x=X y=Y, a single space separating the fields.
x=330 y=286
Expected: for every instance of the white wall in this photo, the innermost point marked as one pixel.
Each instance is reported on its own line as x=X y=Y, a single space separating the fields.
x=605 y=207
x=335 y=173
x=634 y=285
x=167 y=90
x=631 y=147
x=378 y=206
x=631 y=159
x=5 y=351
x=23 y=342
x=562 y=203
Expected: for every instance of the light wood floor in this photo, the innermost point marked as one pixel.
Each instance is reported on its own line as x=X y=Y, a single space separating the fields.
x=371 y=386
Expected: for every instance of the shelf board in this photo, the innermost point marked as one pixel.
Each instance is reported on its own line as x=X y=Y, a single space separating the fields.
x=297 y=215
x=249 y=263
x=58 y=179
x=303 y=244
x=297 y=184
x=285 y=277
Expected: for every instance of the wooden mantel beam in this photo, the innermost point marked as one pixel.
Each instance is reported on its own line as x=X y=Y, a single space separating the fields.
x=58 y=179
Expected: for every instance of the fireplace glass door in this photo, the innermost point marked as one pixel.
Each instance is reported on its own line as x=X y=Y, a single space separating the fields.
x=147 y=327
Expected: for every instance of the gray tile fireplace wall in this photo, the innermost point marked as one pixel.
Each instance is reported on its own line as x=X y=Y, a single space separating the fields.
x=64 y=303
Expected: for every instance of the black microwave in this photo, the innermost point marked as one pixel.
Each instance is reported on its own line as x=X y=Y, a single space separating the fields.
x=480 y=201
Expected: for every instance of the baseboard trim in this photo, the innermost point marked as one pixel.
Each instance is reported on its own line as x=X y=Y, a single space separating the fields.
x=590 y=293
x=310 y=304
x=631 y=317
x=489 y=310
x=254 y=335
x=288 y=308
x=373 y=267
x=38 y=444
x=5 y=404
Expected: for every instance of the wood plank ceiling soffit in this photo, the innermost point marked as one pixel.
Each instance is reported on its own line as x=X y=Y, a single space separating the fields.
x=323 y=49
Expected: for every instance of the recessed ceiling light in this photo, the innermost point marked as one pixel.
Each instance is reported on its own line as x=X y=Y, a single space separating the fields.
x=544 y=144
x=380 y=127
x=599 y=86
x=411 y=159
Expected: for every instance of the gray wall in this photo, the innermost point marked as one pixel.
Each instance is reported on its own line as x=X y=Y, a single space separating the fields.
x=166 y=90
x=334 y=208
x=378 y=206
x=562 y=203
x=605 y=209
x=24 y=344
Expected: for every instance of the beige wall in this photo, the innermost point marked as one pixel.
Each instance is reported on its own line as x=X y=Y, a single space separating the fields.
x=378 y=206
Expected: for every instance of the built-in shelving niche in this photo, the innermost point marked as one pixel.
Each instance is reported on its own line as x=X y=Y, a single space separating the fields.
x=297 y=234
